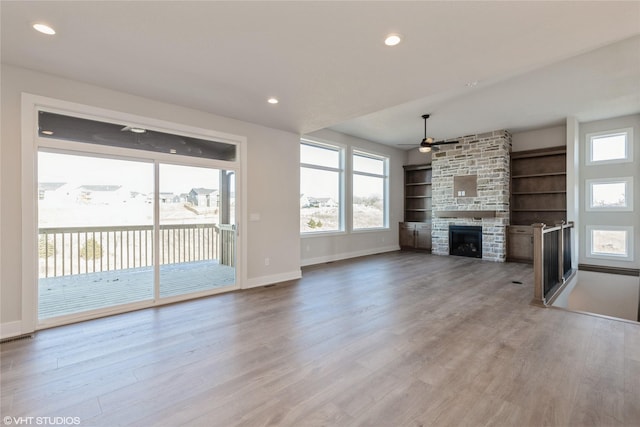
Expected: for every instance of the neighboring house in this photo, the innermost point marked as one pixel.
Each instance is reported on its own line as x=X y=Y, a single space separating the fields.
x=319 y=202
x=203 y=197
x=305 y=202
x=169 y=198
x=102 y=194
x=51 y=190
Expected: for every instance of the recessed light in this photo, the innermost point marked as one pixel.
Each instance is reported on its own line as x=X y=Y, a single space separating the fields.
x=43 y=28
x=272 y=100
x=392 y=39
x=138 y=130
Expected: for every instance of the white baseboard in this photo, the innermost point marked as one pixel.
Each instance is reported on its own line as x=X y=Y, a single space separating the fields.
x=274 y=278
x=347 y=255
x=12 y=329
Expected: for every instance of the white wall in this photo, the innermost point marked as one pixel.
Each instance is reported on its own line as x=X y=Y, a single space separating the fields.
x=611 y=170
x=415 y=157
x=273 y=177
x=317 y=249
x=554 y=136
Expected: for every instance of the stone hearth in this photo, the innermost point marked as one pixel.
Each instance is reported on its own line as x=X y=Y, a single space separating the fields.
x=487 y=157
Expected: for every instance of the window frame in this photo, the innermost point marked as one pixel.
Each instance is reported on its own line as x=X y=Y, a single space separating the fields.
x=589 y=183
x=31 y=143
x=341 y=183
x=589 y=253
x=590 y=137
x=385 y=191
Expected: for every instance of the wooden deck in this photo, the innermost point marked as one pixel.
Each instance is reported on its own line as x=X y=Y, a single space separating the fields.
x=63 y=295
x=400 y=339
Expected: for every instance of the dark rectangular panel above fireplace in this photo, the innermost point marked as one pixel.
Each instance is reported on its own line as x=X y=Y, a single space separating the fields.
x=465 y=240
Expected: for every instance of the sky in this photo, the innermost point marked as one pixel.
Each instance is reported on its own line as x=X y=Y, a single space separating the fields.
x=134 y=175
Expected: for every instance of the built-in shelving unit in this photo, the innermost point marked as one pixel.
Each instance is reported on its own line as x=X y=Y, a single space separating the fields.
x=538 y=195
x=417 y=193
x=415 y=231
x=538 y=186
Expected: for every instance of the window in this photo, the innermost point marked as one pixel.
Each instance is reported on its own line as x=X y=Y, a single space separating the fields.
x=321 y=183
x=610 y=147
x=608 y=241
x=369 y=196
x=610 y=194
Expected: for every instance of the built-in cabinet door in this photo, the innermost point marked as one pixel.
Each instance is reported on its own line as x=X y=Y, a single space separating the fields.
x=423 y=235
x=520 y=247
x=415 y=235
x=407 y=235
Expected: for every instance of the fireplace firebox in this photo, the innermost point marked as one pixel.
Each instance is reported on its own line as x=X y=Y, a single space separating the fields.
x=465 y=240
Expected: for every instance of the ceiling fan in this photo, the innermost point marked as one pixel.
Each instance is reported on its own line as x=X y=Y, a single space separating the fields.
x=428 y=144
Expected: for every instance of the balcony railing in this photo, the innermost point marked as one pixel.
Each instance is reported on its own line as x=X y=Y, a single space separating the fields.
x=66 y=251
x=551 y=260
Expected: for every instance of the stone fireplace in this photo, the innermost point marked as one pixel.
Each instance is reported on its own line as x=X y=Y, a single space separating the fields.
x=471 y=188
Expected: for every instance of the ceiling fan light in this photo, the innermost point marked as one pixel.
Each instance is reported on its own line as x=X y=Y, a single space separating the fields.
x=424 y=149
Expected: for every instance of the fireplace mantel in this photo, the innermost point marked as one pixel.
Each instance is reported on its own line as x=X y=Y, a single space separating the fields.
x=465 y=214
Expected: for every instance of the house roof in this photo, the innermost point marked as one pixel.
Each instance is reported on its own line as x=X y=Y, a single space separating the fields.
x=203 y=191
x=534 y=62
x=105 y=188
x=50 y=186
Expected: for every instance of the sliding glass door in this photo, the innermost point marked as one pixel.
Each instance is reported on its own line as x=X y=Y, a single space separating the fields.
x=95 y=233
x=130 y=217
x=196 y=230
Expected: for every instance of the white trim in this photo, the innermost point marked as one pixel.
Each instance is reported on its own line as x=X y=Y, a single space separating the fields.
x=12 y=329
x=31 y=104
x=599 y=255
x=29 y=191
x=589 y=183
x=348 y=255
x=256 y=282
x=628 y=132
x=341 y=171
x=385 y=184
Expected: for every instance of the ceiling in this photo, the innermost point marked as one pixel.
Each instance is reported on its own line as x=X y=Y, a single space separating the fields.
x=535 y=62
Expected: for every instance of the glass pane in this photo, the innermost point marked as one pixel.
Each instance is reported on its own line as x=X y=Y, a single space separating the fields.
x=95 y=243
x=609 y=242
x=319 y=200
x=368 y=202
x=70 y=128
x=197 y=236
x=321 y=156
x=609 y=195
x=609 y=147
x=368 y=165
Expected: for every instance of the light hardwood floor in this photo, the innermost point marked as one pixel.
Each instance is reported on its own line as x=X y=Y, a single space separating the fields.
x=387 y=340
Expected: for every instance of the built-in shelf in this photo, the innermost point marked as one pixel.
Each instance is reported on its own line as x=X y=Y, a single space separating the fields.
x=537 y=210
x=415 y=231
x=536 y=175
x=538 y=194
x=522 y=193
x=465 y=214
